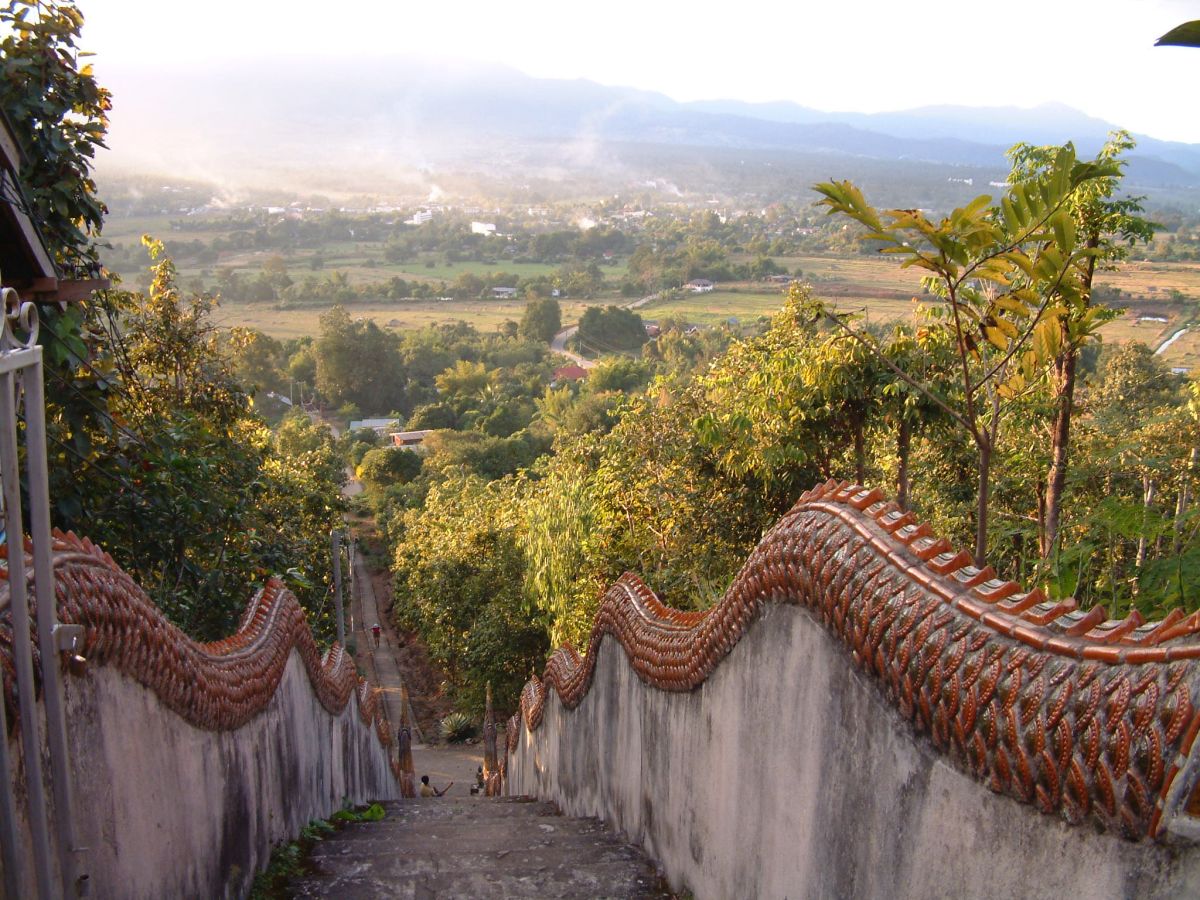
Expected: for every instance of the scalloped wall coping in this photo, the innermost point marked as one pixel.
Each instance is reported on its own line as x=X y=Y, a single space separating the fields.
x=219 y=685
x=249 y=751
x=1087 y=718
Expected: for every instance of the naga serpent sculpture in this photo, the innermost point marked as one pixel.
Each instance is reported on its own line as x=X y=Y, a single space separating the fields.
x=1081 y=716
x=217 y=686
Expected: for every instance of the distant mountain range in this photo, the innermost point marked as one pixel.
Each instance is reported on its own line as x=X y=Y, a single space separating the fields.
x=407 y=120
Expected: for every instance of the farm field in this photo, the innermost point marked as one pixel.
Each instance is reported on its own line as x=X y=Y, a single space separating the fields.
x=862 y=275
x=399 y=315
x=716 y=308
x=874 y=286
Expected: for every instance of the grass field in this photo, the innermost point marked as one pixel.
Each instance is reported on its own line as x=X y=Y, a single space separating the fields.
x=400 y=315
x=716 y=308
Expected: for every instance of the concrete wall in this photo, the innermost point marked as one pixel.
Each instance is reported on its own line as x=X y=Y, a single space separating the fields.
x=788 y=774
x=170 y=810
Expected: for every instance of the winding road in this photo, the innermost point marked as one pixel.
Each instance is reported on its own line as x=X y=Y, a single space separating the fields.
x=558 y=343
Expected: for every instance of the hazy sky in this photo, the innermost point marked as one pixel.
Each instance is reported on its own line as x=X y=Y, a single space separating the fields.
x=864 y=55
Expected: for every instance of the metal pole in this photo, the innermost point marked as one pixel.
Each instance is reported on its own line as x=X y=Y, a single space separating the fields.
x=22 y=648
x=47 y=622
x=335 y=538
x=353 y=580
x=8 y=813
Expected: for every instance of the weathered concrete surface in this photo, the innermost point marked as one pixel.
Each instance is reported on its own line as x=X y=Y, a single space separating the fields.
x=787 y=774
x=449 y=763
x=474 y=848
x=170 y=810
x=382 y=669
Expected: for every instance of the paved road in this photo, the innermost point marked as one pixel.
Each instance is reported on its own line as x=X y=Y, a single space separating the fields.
x=442 y=764
x=558 y=343
x=366 y=611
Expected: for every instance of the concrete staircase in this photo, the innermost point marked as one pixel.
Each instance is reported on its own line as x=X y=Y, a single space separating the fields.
x=510 y=847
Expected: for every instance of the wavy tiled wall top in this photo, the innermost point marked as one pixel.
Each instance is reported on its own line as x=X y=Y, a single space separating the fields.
x=1076 y=714
x=217 y=686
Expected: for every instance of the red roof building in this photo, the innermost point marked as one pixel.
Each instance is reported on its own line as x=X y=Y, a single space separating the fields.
x=570 y=373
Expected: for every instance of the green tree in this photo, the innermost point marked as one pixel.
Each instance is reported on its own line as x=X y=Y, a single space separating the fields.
x=1006 y=276
x=611 y=329
x=1109 y=226
x=357 y=362
x=432 y=416
x=458 y=576
x=257 y=358
x=60 y=113
x=197 y=504
x=385 y=466
x=464 y=380
x=619 y=374
x=541 y=321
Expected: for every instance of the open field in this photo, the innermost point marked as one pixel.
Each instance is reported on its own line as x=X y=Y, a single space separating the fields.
x=400 y=315
x=873 y=286
x=864 y=274
x=746 y=302
x=716 y=308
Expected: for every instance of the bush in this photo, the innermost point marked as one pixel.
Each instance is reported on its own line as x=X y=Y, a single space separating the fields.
x=456 y=728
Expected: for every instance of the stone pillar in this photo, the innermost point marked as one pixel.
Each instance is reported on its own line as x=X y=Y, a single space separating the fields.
x=491 y=771
x=404 y=756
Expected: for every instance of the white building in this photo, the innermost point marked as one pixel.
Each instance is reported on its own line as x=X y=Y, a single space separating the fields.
x=379 y=426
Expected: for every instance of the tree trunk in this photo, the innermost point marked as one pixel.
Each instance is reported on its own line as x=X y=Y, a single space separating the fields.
x=1060 y=438
x=903 y=447
x=1185 y=497
x=1150 y=488
x=860 y=453
x=1040 y=492
x=981 y=511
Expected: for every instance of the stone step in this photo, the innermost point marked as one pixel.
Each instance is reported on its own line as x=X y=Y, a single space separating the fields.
x=473 y=848
x=432 y=809
x=568 y=883
x=473 y=840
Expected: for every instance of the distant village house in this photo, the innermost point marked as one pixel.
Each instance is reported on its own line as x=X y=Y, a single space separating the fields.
x=410 y=440
x=379 y=426
x=569 y=373
x=699 y=285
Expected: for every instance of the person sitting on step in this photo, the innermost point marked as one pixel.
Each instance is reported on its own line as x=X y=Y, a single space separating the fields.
x=428 y=790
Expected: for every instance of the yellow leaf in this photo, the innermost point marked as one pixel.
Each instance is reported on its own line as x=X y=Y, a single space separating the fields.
x=995 y=337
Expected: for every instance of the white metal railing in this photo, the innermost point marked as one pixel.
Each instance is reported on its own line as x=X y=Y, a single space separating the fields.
x=22 y=396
